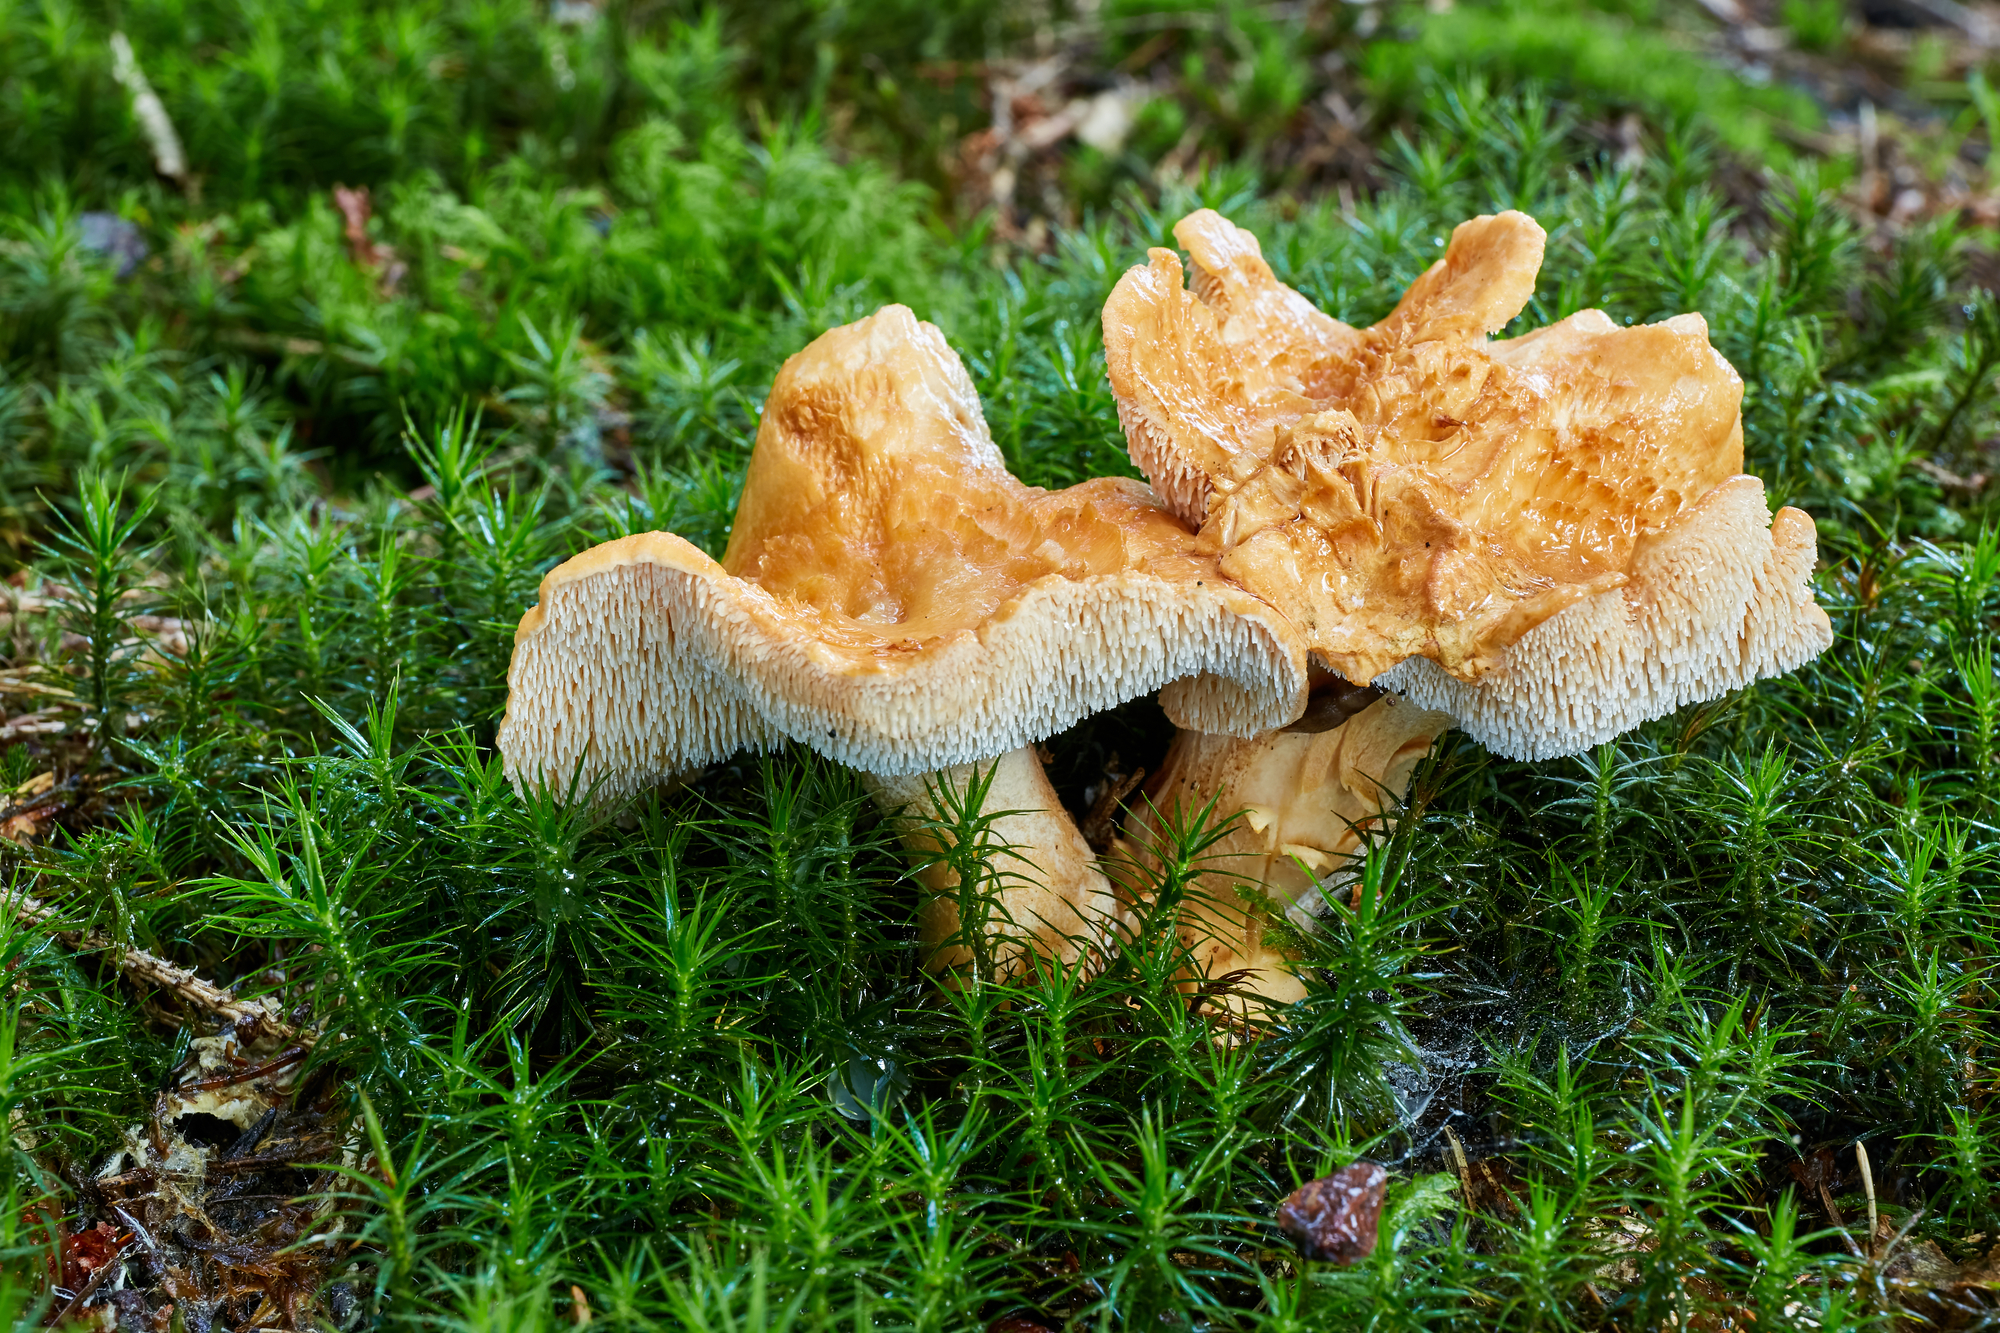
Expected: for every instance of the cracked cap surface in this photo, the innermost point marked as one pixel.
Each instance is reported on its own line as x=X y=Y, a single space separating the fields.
x=1548 y=537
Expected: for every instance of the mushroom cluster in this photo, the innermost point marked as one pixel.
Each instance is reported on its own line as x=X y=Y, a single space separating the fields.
x=1353 y=538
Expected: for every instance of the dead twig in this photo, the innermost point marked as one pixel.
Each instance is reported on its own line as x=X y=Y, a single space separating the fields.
x=169 y=158
x=1464 y=1169
x=253 y=1021
x=290 y=1057
x=1868 y=1185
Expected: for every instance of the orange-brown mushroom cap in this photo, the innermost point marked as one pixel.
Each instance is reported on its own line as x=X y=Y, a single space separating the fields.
x=891 y=596
x=1548 y=537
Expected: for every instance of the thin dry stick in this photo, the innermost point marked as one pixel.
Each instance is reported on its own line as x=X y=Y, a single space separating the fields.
x=169 y=159
x=1868 y=1187
x=252 y=1020
x=1464 y=1170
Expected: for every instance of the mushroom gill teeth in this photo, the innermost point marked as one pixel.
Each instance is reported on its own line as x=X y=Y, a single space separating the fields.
x=1182 y=487
x=1491 y=526
x=650 y=661
x=891 y=597
x=602 y=671
x=1716 y=601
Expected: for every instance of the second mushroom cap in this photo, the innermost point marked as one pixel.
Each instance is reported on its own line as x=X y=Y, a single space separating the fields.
x=1548 y=537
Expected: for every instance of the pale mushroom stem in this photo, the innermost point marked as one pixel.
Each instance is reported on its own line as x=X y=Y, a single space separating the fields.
x=1035 y=884
x=1310 y=797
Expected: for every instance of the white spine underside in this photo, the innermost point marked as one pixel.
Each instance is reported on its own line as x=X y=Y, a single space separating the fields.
x=1714 y=603
x=1182 y=486
x=643 y=670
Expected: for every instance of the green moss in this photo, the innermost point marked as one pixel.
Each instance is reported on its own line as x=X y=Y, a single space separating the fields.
x=1607 y=59
x=685 y=1060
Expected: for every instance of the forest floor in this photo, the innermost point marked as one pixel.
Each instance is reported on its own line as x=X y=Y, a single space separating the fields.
x=326 y=330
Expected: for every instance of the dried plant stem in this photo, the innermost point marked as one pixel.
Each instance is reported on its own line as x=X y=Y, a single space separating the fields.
x=1464 y=1168
x=1868 y=1187
x=169 y=158
x=252 y=1020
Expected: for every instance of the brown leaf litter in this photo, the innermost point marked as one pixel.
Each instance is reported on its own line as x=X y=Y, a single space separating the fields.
x=1336 y=1218
x=369 y=255
x=217 y=1211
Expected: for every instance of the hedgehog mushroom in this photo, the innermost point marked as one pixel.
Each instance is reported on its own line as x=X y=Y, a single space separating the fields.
x=894 y=598
x=1546 y=540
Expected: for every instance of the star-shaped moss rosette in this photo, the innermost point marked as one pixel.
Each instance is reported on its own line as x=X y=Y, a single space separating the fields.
x=1548 y=537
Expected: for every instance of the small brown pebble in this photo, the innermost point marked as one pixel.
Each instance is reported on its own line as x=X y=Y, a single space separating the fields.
x=1334 y=1218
